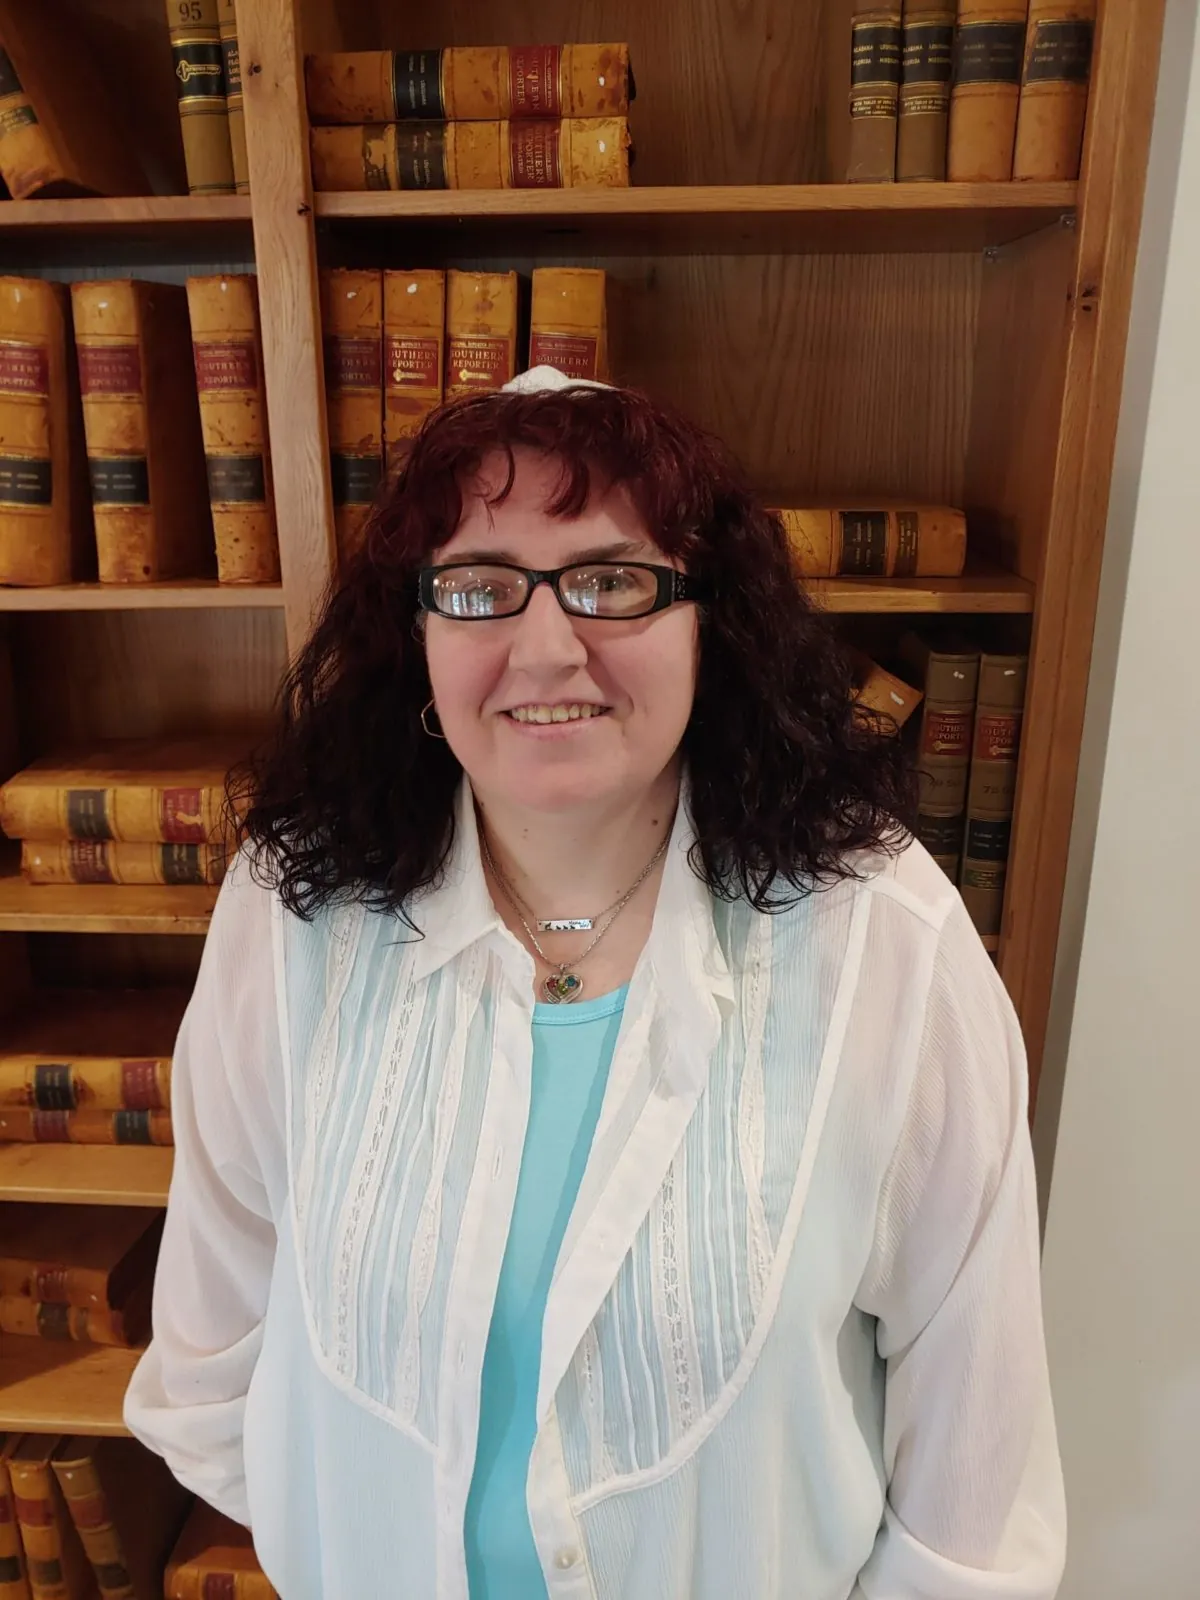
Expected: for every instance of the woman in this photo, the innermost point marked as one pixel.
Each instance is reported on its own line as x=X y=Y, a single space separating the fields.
x=601 y=1155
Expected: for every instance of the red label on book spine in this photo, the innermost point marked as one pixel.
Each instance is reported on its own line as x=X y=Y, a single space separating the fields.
x=946 y=733
x=180 y=816
x=110 y=369
x=89 y=861
x=412 y=361
x=139 y=1086
x=351 y=363
x=533 y=157
x=477 y=362
x=230 y=364
x=24 y=368
x=535 y=86
x=996 y=735
x=574 y=354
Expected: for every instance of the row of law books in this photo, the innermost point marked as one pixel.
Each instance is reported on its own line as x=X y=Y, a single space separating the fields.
x=133 y=811
x=63 y=1098
x=79 y=1273
x=982 y=91
x=82 y=1517
x=133 y=436
x=399 y=343
x=471 y=117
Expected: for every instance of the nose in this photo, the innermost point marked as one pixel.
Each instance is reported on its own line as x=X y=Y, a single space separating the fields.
x=546 y=639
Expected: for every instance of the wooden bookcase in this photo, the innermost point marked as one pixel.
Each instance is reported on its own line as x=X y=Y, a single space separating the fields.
x=954 y=343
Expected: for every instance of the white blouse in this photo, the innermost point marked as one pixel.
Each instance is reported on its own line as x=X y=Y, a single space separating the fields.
x=793 y=1346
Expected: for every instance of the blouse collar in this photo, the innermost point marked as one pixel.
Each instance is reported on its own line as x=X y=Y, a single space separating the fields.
x=682 y=949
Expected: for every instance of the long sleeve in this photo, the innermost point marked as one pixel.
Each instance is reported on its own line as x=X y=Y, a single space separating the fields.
x=187 y=1397
x=975 y=1506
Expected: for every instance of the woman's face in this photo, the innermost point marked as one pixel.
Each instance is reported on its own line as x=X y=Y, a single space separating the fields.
x=636 y=678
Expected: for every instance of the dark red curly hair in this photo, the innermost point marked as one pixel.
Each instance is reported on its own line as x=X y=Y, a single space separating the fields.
x=789 y=780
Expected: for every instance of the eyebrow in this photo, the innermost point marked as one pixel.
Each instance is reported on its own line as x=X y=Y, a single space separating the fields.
x=623 y=549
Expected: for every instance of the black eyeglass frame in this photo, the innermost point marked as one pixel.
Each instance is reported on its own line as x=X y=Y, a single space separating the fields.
x=673 y=587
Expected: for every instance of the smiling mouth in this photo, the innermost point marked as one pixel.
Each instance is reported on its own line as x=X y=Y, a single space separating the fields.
x=569 y=711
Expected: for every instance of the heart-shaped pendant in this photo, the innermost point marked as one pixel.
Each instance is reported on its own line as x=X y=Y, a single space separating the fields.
x=560 y=987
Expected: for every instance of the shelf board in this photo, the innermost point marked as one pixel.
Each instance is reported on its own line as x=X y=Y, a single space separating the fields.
x=130 y=213
x=196 y=595
x=53 y=1386
x=90 y=1175
x=714 y=219
x=102 y=907
x=979 y=591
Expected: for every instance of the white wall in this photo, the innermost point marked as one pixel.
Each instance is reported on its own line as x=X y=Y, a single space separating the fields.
x=1122 y=1248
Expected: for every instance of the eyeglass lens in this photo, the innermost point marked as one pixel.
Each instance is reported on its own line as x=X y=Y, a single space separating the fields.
x=595 y=590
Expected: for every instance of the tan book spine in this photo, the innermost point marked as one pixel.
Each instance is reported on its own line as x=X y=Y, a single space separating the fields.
x=80 y=1127
x=1054 y=90
x=568 y=324
x=949 y=674
x=76 y=1324
x=102 y=861
x=896 y=542
x=233 y=416
x=231 y=61
x=88 y=1507
x=469 y=83
x=590 y=152
x=59 y=135
x=991 y=791
x=45 y=520
x=142 y=425
x=352 y=333
x=926 y=61
x=200 y=87
x=481 y=331
x=57 y=1567
x=874 y=90
x=414 y=351
x=14 y=1581
x=186 y=813
x=85 y=1083
x=879 y=690
x=989 y=47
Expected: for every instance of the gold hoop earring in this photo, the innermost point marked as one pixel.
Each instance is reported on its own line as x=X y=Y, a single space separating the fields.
x=425 y=712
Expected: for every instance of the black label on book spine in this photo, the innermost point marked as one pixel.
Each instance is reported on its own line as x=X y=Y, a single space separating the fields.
x=87 y=814
x=928 y=52
x=941 y=836
x=53 y=1087
x=181 y=863
x=199 y=70
x=233 y=69
x=355 y=479
x=989 y=52
x=131 y=1127
x=421 y=158
x=417 y=84
x=863 y=552
x=9 y=82
x=875 y=54
x=236 y=479
x=25 y=481
x=119 y=480
x=1059 y=52
x=987 y=838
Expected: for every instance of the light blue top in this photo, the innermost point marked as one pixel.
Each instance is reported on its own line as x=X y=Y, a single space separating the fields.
x=572 y=1050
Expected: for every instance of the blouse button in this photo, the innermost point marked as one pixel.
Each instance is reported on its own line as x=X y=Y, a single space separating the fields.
x=566 y=1558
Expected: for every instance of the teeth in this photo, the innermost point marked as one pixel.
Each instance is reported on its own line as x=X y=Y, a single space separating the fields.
x=559 y=713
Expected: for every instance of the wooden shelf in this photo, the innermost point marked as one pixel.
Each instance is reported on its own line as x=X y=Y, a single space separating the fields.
x=715 y=219
x=78 y=1174
x=981 y=591
x=132 y=213
x=51 y=1386
x=102 y=907
x=193 y=596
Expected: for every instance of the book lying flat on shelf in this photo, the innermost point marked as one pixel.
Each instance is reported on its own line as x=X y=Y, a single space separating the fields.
x=95 y=1257
x=574 y=152
x=215 y=1556
x=908 y=542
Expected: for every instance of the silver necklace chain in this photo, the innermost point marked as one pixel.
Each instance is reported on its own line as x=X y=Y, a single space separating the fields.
x=565 y=984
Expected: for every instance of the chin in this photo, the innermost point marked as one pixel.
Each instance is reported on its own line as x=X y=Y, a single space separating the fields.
x=551 y=790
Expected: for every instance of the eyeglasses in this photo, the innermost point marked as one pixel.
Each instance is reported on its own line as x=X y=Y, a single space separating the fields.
x=608 y=590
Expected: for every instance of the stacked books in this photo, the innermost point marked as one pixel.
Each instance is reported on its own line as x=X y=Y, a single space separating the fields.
x=399 y=343
x=81 y=1516
x=59 y=135
x=981 y=91
x=967 y=753
x=67 y=1098
x=133 y=432
x=208 y=83
x=139 y=811
x=497 y=117
x=77 y=1272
